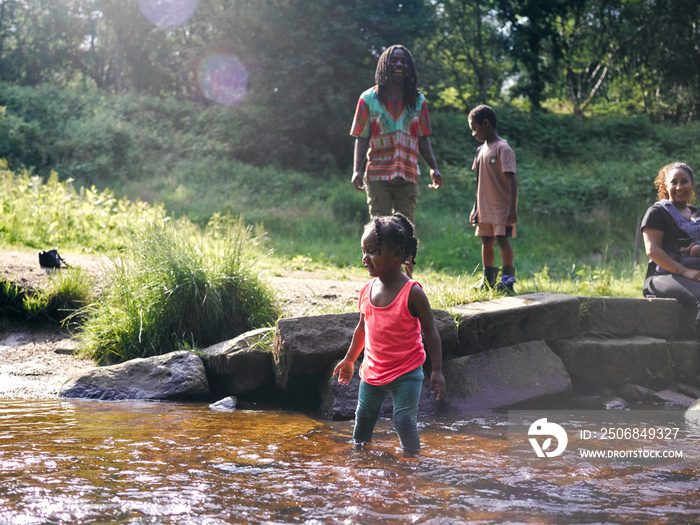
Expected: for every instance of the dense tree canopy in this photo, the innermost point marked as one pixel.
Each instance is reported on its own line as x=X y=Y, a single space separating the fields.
x=288 y=72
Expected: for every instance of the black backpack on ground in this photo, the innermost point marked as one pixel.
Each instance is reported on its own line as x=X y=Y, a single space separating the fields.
x=51 y=259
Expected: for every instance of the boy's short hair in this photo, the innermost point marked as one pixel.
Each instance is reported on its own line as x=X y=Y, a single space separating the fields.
x=484 y=112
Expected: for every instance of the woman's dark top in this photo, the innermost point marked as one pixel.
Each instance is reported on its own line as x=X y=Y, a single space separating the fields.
x=657 y=218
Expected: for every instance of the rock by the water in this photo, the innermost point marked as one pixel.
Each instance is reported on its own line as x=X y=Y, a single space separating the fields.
x=305 y=347
x=338 y=401
x=688 y=390
x=605 y=361
x=635 y=393
x=622 y=316
x=692 y=415
x=227 y=404
x=686 y=358
x=449 y=337
x=671 y=399
x=594 y=402
x=170 y=377
x=504 y=377
x=240 y=365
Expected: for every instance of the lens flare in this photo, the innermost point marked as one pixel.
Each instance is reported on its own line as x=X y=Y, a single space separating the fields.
x=168 y=13
x=223 y=79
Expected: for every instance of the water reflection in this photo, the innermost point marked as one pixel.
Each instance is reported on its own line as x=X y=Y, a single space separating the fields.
x=92 y=462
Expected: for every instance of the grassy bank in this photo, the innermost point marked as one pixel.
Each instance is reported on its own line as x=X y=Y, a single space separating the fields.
x=583 y=186
x=178 y=285
x=42 y=214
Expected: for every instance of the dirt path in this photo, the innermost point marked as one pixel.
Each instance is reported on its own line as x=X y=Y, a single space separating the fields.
x=36 y=361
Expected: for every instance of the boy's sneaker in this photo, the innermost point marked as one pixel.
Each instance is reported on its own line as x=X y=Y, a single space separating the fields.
x=506 y=284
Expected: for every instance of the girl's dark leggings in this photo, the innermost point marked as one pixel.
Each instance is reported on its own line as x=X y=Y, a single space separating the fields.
x=674 y=286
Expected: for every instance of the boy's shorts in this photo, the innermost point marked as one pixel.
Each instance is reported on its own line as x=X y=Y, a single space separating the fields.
x=385 y=197
x=495 y=230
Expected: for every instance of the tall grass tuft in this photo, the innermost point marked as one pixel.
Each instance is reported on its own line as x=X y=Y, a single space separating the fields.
x=67 y=292
x=179 y=289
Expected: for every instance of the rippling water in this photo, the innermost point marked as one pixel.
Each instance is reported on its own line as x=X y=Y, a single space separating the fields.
x=92 y=462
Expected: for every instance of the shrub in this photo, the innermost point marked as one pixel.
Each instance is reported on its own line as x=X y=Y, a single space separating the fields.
x=178 y=288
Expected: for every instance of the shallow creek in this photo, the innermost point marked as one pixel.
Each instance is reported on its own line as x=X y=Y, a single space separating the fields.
x=96 y=462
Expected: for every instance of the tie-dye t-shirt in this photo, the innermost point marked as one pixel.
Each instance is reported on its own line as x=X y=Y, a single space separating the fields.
x=393 y=134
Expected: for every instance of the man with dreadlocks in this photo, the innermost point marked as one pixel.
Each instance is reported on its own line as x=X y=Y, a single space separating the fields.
x=391 y=128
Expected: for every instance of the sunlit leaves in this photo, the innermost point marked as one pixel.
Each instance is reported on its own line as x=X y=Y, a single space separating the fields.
x=50 y=213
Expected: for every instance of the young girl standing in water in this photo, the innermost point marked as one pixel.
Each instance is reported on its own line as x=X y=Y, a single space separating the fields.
x=393 y=310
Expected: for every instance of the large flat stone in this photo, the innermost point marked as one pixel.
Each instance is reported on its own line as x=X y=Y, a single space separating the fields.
x=170 y=377
x=305 y=347
x=598 y=361
x=512 y=320
x=504 y=377
x=630 y=316
x=240 y=365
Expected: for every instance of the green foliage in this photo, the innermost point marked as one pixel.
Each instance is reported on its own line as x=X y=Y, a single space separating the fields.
x=444 y=291
x=92 y=136
x=175 y=287
x=452 y=140
x=562 y=138
x=34 y=306
x=465 y=62
x=583 y=185
x=38 y=213
x=11 y=298
x=68 y=290
x=559 y=139
x=306 y=64
x=23 y=142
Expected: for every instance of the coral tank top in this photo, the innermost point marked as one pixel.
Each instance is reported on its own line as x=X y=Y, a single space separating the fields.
x=393 y=343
